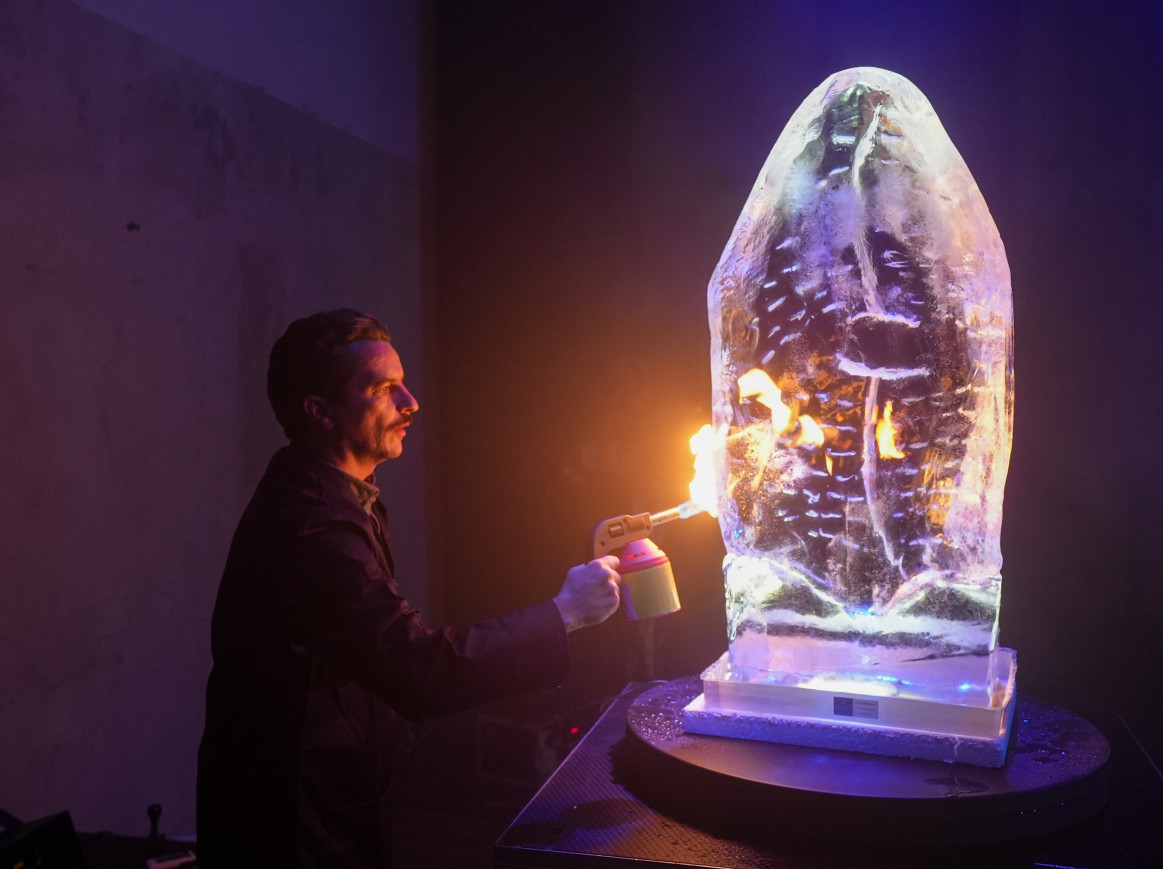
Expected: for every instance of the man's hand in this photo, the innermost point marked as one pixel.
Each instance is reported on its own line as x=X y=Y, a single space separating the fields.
x=590 y=593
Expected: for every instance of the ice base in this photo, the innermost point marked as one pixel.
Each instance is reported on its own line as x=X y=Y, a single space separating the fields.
x=956 y=709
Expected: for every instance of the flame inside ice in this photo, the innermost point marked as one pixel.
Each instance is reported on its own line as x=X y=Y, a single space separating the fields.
x=861 y=362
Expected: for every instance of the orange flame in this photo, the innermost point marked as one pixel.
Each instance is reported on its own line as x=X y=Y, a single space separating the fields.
x=886 y=435
x=757 y=384
x=810 y=432
x=704 y=446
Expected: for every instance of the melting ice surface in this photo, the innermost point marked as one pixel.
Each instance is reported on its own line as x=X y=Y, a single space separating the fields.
x=864 y=300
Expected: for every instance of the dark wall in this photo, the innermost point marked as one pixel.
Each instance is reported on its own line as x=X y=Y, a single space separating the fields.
x=160 y=224
x=591 y=160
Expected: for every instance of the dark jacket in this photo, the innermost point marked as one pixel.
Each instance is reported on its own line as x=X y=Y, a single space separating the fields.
x=313 y=649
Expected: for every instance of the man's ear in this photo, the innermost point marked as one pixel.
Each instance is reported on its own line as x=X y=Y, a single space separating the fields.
x=316 y=408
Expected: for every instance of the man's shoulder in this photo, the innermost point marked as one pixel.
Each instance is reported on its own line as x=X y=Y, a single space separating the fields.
x=298 y=486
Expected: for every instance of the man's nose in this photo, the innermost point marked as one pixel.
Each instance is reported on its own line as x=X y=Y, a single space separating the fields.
x=406 y=401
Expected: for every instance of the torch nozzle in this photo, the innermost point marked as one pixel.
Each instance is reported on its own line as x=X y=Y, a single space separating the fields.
x=683 y=511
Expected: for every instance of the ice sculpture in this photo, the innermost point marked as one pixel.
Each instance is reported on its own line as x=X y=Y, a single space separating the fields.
x=861 y=362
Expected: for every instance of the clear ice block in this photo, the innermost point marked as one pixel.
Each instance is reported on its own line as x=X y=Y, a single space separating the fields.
x=861 y=361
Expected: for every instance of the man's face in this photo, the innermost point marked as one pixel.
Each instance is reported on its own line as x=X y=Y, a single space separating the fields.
x=371 y=412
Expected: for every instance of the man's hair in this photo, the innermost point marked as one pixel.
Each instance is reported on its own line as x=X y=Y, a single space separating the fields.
x=306 y=361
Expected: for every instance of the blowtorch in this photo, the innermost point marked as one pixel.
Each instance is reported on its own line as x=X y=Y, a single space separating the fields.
x=648 y=588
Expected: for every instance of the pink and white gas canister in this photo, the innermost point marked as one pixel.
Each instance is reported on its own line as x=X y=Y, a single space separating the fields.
x=648 y=588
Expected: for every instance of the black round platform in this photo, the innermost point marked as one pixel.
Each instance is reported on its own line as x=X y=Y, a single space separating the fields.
x=1055 y=776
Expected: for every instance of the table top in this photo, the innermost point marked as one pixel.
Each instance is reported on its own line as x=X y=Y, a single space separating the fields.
x=589 y=813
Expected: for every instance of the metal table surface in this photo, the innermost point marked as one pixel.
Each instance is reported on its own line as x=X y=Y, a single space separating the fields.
x=590 y=813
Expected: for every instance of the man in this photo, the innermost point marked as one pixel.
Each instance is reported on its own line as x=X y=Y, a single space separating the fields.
x=314 y=648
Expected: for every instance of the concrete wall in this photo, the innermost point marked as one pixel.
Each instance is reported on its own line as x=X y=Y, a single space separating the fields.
x=160 y=223
x=351 y=63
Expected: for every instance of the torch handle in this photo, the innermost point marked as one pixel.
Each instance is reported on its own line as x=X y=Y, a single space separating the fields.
x=614 y=533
